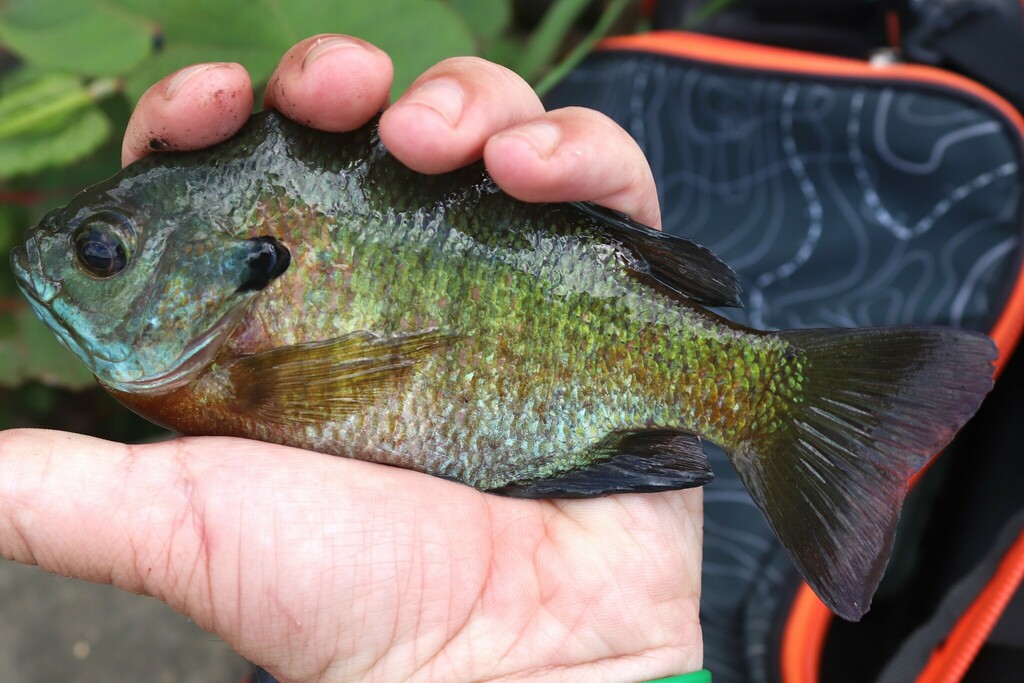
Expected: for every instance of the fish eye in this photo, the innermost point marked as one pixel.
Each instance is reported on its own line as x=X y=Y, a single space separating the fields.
x=101 y=243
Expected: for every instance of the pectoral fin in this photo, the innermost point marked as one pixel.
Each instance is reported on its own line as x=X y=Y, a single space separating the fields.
x=311 y=382
x=641 y=461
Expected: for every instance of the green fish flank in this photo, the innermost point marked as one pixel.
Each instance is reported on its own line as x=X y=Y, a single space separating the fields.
x=305 y=288
x=547 y=356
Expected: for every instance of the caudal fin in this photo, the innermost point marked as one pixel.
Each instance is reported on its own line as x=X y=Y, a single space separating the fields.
x=875 y=405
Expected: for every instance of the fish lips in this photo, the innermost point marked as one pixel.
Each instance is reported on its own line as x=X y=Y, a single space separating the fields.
x=40 y=292
x=21 y=268
x=27 y=260
x=28 y=272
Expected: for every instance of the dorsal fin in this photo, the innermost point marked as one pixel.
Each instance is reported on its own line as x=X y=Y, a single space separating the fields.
x=676 y=262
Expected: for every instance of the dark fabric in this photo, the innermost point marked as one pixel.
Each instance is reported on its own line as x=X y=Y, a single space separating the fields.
x=669 y=14
x=984 y=43
x=850 y=28
x=838 y=203
x=917 y=649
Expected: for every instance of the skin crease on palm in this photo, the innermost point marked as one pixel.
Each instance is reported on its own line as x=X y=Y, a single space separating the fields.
x=327 y=569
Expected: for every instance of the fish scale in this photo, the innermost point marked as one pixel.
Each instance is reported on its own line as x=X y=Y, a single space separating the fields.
x=515 y=322
x=305 y=288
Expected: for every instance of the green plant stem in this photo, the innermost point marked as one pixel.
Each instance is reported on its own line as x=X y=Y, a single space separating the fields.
x=549 y=36
x=604 y=24
x=706 y=11
x=65 y=104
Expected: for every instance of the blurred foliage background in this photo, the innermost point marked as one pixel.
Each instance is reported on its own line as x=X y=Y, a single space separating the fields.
x=71 y=71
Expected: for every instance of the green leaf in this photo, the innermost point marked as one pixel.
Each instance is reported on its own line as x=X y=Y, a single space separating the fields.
x=485 y=18
x=42 y=104
x=32 y=352
x=249 y=32
x=416 y=33
x=90 y=37
x=59 y=142
x=504 y=50
x=256 y=33
x=147 y=39
x=53 y=186
x=258 y=60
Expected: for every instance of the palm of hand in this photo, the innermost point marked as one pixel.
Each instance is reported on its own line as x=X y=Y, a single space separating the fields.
x=401 y=574
x=321 y=568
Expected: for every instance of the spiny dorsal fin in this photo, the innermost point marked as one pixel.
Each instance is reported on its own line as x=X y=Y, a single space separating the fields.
x=311 y=382
x=642 y=461
x=676 y=262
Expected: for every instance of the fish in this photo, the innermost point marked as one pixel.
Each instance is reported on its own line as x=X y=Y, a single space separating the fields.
x=305 y=288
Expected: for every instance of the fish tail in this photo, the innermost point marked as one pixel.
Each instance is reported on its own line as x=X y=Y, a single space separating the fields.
x=873 y=406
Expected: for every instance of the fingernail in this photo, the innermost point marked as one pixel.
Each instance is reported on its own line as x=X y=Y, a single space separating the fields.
x=542 y=137
x=179 y=79
x=444 y=96
x=325 y=45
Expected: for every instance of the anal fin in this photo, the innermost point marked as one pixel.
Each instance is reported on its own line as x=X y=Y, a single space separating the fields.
x=642 y=461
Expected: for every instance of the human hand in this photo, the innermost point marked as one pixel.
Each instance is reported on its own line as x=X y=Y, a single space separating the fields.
x=326 y=569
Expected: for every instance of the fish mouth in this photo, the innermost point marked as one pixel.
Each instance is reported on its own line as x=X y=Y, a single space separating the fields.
x=41 y=292
x=22 y=269
x=19 y=263
x=26 y=259
x=27 y=265
x=27 y=283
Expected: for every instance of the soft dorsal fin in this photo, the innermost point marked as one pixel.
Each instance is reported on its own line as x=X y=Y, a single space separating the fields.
x=676 y=262
x=310 y=382
x=641 y=461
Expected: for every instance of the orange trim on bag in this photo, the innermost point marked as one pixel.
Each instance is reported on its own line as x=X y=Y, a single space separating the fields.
x=949 y=662
x=807 y=626
x=809 y=620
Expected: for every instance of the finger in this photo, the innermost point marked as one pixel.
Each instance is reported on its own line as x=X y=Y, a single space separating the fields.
x=271 y=547
x=192 y=108
x=330 y=82
x=191 y=520
x=575 y=154
x=449 y=112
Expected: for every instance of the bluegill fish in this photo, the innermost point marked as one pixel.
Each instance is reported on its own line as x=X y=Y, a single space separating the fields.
x=305 y=288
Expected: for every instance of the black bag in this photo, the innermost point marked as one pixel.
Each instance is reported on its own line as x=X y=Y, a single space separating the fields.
x=853 y=191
